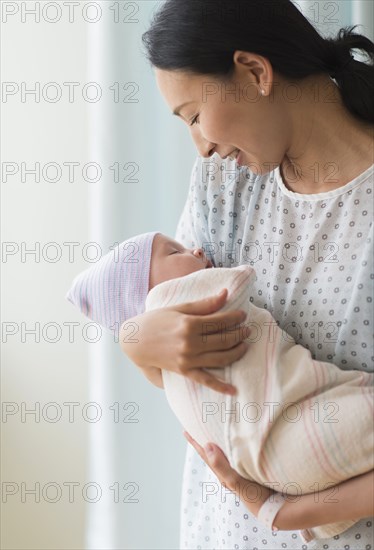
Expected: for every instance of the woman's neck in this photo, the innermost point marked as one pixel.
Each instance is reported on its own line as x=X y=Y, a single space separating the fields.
x=330 y=146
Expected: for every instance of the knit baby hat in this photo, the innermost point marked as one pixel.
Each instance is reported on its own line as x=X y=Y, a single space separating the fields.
x=115 y=288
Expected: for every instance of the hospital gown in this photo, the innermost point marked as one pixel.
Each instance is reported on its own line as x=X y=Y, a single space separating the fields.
x=313 y=256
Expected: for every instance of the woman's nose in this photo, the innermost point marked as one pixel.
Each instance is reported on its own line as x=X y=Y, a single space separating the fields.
x=204 y=147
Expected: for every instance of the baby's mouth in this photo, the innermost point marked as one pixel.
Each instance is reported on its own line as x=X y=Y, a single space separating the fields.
x=208 y=264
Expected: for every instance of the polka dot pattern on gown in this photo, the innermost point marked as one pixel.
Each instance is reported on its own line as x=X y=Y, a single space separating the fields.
x=313 y=257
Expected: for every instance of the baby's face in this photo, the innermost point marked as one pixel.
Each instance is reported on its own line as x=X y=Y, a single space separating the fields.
x=171 y=260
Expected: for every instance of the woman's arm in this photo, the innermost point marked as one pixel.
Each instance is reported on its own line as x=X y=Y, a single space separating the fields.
x=339 y=503
x=352 y=499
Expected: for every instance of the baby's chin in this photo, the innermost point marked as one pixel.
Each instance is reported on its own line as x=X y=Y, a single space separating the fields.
x=176 y=275
x=208 y=266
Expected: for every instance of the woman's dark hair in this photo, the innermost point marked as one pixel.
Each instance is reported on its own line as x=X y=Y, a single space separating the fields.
x=201 y=36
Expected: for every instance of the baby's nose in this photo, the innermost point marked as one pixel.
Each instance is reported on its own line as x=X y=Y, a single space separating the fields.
x=199 y=252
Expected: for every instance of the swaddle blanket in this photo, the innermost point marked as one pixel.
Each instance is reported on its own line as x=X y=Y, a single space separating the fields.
x=303 y=424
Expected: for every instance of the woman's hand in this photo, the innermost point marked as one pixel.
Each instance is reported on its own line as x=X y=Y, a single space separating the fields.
x=251 y=493
x=352 y=499
x=186 y=339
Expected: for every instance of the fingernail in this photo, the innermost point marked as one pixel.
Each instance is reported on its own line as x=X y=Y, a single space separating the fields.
x=209 y=449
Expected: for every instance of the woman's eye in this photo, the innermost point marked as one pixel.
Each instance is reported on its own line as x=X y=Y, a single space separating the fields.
x=195 y=120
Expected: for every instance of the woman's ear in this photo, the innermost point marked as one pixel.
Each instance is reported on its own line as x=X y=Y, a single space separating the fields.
x=255 y=68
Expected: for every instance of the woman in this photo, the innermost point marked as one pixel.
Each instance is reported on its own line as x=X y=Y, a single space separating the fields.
x=253 y=80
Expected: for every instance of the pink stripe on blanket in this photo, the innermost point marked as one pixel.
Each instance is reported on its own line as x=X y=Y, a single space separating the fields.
x=267 y=471
x=365 y=382
x=316 y=443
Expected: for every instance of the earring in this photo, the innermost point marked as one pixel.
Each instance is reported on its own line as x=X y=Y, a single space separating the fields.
x=263 y=92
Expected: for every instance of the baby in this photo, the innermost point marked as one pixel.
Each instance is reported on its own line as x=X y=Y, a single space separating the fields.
x=115 y=288
x=268 y=430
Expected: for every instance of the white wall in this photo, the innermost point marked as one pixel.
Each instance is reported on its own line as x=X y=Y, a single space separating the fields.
x=150 y=453
x=33 y=287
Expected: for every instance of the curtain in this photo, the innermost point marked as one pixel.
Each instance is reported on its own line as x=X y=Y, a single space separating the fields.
x=137 y=449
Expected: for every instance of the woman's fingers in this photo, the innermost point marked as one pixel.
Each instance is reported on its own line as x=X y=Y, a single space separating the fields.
x=219 y=322
x=214 y=359
x=217 y=336
x=204 y=359
x=205 y=336
x=203 y=332
x=203 y=316
x=224 y=358
x=252 y=494
x=200 y=376
x=206 y=306
x=219 y=342
x=218 y=462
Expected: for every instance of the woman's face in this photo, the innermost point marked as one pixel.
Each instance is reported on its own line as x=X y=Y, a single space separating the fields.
x=226 y=117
